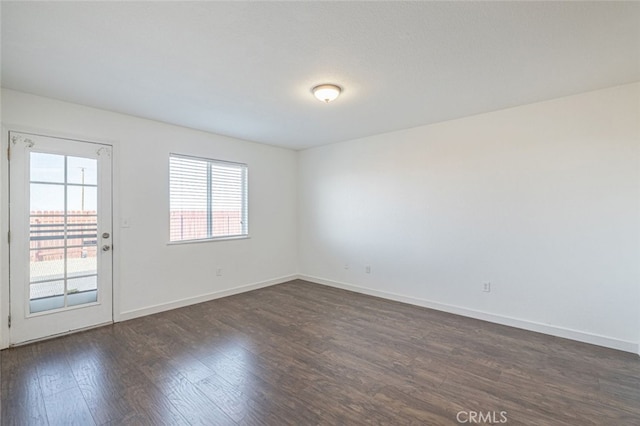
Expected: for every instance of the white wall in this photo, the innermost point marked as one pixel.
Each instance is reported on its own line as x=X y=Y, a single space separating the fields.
x=541 y=200
x=152 y=275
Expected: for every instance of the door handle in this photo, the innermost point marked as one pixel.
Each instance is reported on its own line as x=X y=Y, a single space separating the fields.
x=106 y=248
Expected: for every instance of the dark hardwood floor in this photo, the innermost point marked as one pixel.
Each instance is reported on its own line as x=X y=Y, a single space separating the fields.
x=305 y=354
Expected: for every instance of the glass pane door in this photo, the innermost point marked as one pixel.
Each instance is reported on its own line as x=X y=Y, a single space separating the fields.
x=63 y=224
x=61 y=254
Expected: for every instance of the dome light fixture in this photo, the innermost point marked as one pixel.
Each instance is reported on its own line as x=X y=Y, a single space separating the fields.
x=326 y=92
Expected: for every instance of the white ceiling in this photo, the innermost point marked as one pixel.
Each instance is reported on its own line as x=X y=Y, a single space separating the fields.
x=246 y=69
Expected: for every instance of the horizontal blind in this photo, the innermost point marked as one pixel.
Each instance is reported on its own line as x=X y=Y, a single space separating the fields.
x=208 y=198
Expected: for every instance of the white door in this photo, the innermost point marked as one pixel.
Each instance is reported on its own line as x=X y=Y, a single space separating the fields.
x=60 y=243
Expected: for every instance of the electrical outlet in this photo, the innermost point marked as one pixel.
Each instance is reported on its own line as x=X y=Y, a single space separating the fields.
x=367 y=269
x=486 y=287
x=219 y=272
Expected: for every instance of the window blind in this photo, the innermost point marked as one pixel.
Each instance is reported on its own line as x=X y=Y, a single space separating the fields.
x=208 y=198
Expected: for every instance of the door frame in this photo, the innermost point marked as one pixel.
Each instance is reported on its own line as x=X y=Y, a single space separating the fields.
x=5 y=306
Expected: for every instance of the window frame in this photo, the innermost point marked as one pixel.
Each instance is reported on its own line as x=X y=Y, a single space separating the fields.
x=244 y=214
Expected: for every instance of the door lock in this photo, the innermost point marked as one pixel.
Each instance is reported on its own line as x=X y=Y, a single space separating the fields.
x=105 y=235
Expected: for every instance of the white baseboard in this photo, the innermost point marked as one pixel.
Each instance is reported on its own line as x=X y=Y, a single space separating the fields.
x=567 y=333
x=552 y=330
x=154 y=309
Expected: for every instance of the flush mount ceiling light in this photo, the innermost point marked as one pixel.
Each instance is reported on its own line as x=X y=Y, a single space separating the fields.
x=326 y=92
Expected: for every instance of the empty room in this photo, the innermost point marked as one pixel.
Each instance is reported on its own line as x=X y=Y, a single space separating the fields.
x=320 y=213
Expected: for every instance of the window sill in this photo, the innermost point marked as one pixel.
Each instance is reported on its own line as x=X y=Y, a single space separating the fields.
x=208 y=240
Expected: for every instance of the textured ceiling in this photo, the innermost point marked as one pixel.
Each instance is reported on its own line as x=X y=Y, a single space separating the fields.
x=246 y=69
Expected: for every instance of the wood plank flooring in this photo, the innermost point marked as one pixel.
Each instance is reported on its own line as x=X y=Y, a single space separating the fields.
x=304 y=354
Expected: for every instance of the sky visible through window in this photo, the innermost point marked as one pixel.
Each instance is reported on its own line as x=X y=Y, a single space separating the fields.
x=47 y=179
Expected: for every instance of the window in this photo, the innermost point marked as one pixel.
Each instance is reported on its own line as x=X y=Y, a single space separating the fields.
x=208 y=199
